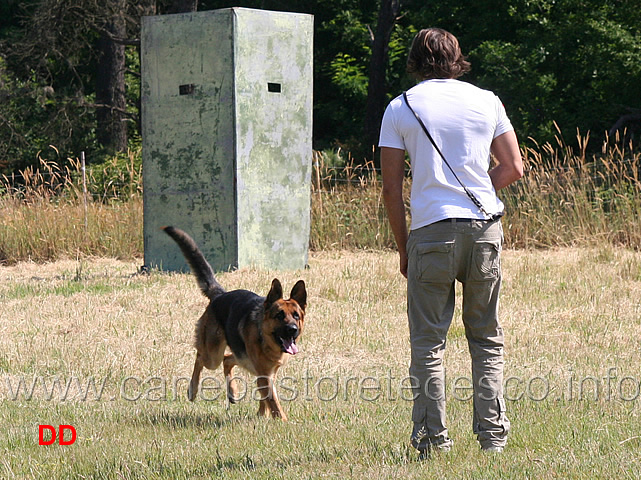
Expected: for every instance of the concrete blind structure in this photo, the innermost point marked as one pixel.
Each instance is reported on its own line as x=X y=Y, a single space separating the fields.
x=227 y=129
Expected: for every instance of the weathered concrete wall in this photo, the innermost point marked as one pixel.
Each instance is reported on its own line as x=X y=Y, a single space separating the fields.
x=274 y=136
x=188 y=139
x=224 y=158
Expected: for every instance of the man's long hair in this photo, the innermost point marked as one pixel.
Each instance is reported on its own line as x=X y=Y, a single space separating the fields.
x=436 y=53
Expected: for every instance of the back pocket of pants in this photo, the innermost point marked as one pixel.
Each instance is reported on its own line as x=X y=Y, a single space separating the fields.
x=435 y=262
x=487 y=261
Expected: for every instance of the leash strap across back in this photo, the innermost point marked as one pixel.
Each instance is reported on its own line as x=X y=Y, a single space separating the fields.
x=472 y=197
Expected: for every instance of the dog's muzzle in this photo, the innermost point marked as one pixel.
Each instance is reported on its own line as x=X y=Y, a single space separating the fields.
x=287 y=336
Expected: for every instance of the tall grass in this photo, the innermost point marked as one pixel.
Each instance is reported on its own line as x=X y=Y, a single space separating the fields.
x=566 y=198
x=570 y=198
x=55 y=211
x=347 y=206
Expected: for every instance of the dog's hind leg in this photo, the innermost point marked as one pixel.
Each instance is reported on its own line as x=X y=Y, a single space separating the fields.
x=229 y=362
x=195 y=378
x=210 y=348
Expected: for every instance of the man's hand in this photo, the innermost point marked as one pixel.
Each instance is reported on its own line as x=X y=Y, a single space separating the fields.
x=404 y=263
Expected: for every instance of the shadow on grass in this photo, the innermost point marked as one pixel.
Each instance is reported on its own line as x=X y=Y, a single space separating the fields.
x=184 y=420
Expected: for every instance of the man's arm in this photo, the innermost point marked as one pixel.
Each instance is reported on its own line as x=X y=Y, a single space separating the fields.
x=505 y=149
x=393 y=170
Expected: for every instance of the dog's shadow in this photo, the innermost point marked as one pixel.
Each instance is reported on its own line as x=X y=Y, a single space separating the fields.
x=184 y=420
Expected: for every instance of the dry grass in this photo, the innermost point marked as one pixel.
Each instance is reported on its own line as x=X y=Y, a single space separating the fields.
x=43 y=230
x=55 y=211
x=569 y=315
x=567 y=198
x=347 y=207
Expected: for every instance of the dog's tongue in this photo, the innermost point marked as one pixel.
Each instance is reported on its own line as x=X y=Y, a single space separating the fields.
x=290 y=347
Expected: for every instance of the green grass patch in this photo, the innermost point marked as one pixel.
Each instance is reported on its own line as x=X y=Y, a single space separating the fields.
x=114 y=359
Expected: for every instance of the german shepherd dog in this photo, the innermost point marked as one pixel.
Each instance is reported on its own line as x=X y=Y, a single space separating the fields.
x=261 y=332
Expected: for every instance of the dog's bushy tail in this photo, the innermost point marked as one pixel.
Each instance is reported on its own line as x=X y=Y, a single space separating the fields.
x=196 y=260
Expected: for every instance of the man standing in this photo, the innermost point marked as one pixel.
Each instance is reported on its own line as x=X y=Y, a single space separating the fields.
x=455 y=231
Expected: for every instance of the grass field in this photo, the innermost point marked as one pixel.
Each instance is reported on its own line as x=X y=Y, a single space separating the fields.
x=98 y=347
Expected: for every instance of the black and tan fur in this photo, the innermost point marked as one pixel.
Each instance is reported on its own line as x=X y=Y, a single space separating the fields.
x=260 y=332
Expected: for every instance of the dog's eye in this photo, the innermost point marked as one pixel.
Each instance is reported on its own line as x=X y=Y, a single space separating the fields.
x=296 y=316
x=280 y=316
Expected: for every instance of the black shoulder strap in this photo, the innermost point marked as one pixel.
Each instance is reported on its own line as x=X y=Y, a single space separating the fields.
x=472 y=197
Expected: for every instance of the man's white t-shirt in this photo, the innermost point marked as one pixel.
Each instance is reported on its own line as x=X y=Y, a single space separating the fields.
x=463 y=120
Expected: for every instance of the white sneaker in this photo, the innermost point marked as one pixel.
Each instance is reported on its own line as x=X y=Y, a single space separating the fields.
x=493 y=449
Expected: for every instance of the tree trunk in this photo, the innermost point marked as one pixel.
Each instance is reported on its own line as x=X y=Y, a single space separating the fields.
x=376 y=90
x=110 y=84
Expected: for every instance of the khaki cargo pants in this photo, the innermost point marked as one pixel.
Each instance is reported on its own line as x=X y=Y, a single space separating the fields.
x=439 y=254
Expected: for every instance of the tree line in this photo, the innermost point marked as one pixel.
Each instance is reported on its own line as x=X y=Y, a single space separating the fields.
x=70 y=69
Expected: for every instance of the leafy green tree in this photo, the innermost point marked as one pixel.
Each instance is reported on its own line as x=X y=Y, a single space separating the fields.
x=74 y=70
x=573 y=62
x=576 y=63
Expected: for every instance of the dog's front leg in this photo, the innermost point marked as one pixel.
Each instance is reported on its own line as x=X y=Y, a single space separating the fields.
x=274 y=403
x=269 y=402
x=264 y=392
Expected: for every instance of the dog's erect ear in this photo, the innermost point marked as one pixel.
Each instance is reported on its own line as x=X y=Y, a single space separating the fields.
x=299 y=293
x=275 y=294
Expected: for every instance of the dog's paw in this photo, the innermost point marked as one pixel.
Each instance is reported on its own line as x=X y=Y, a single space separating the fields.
x=191 y=393
x=232 y=391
